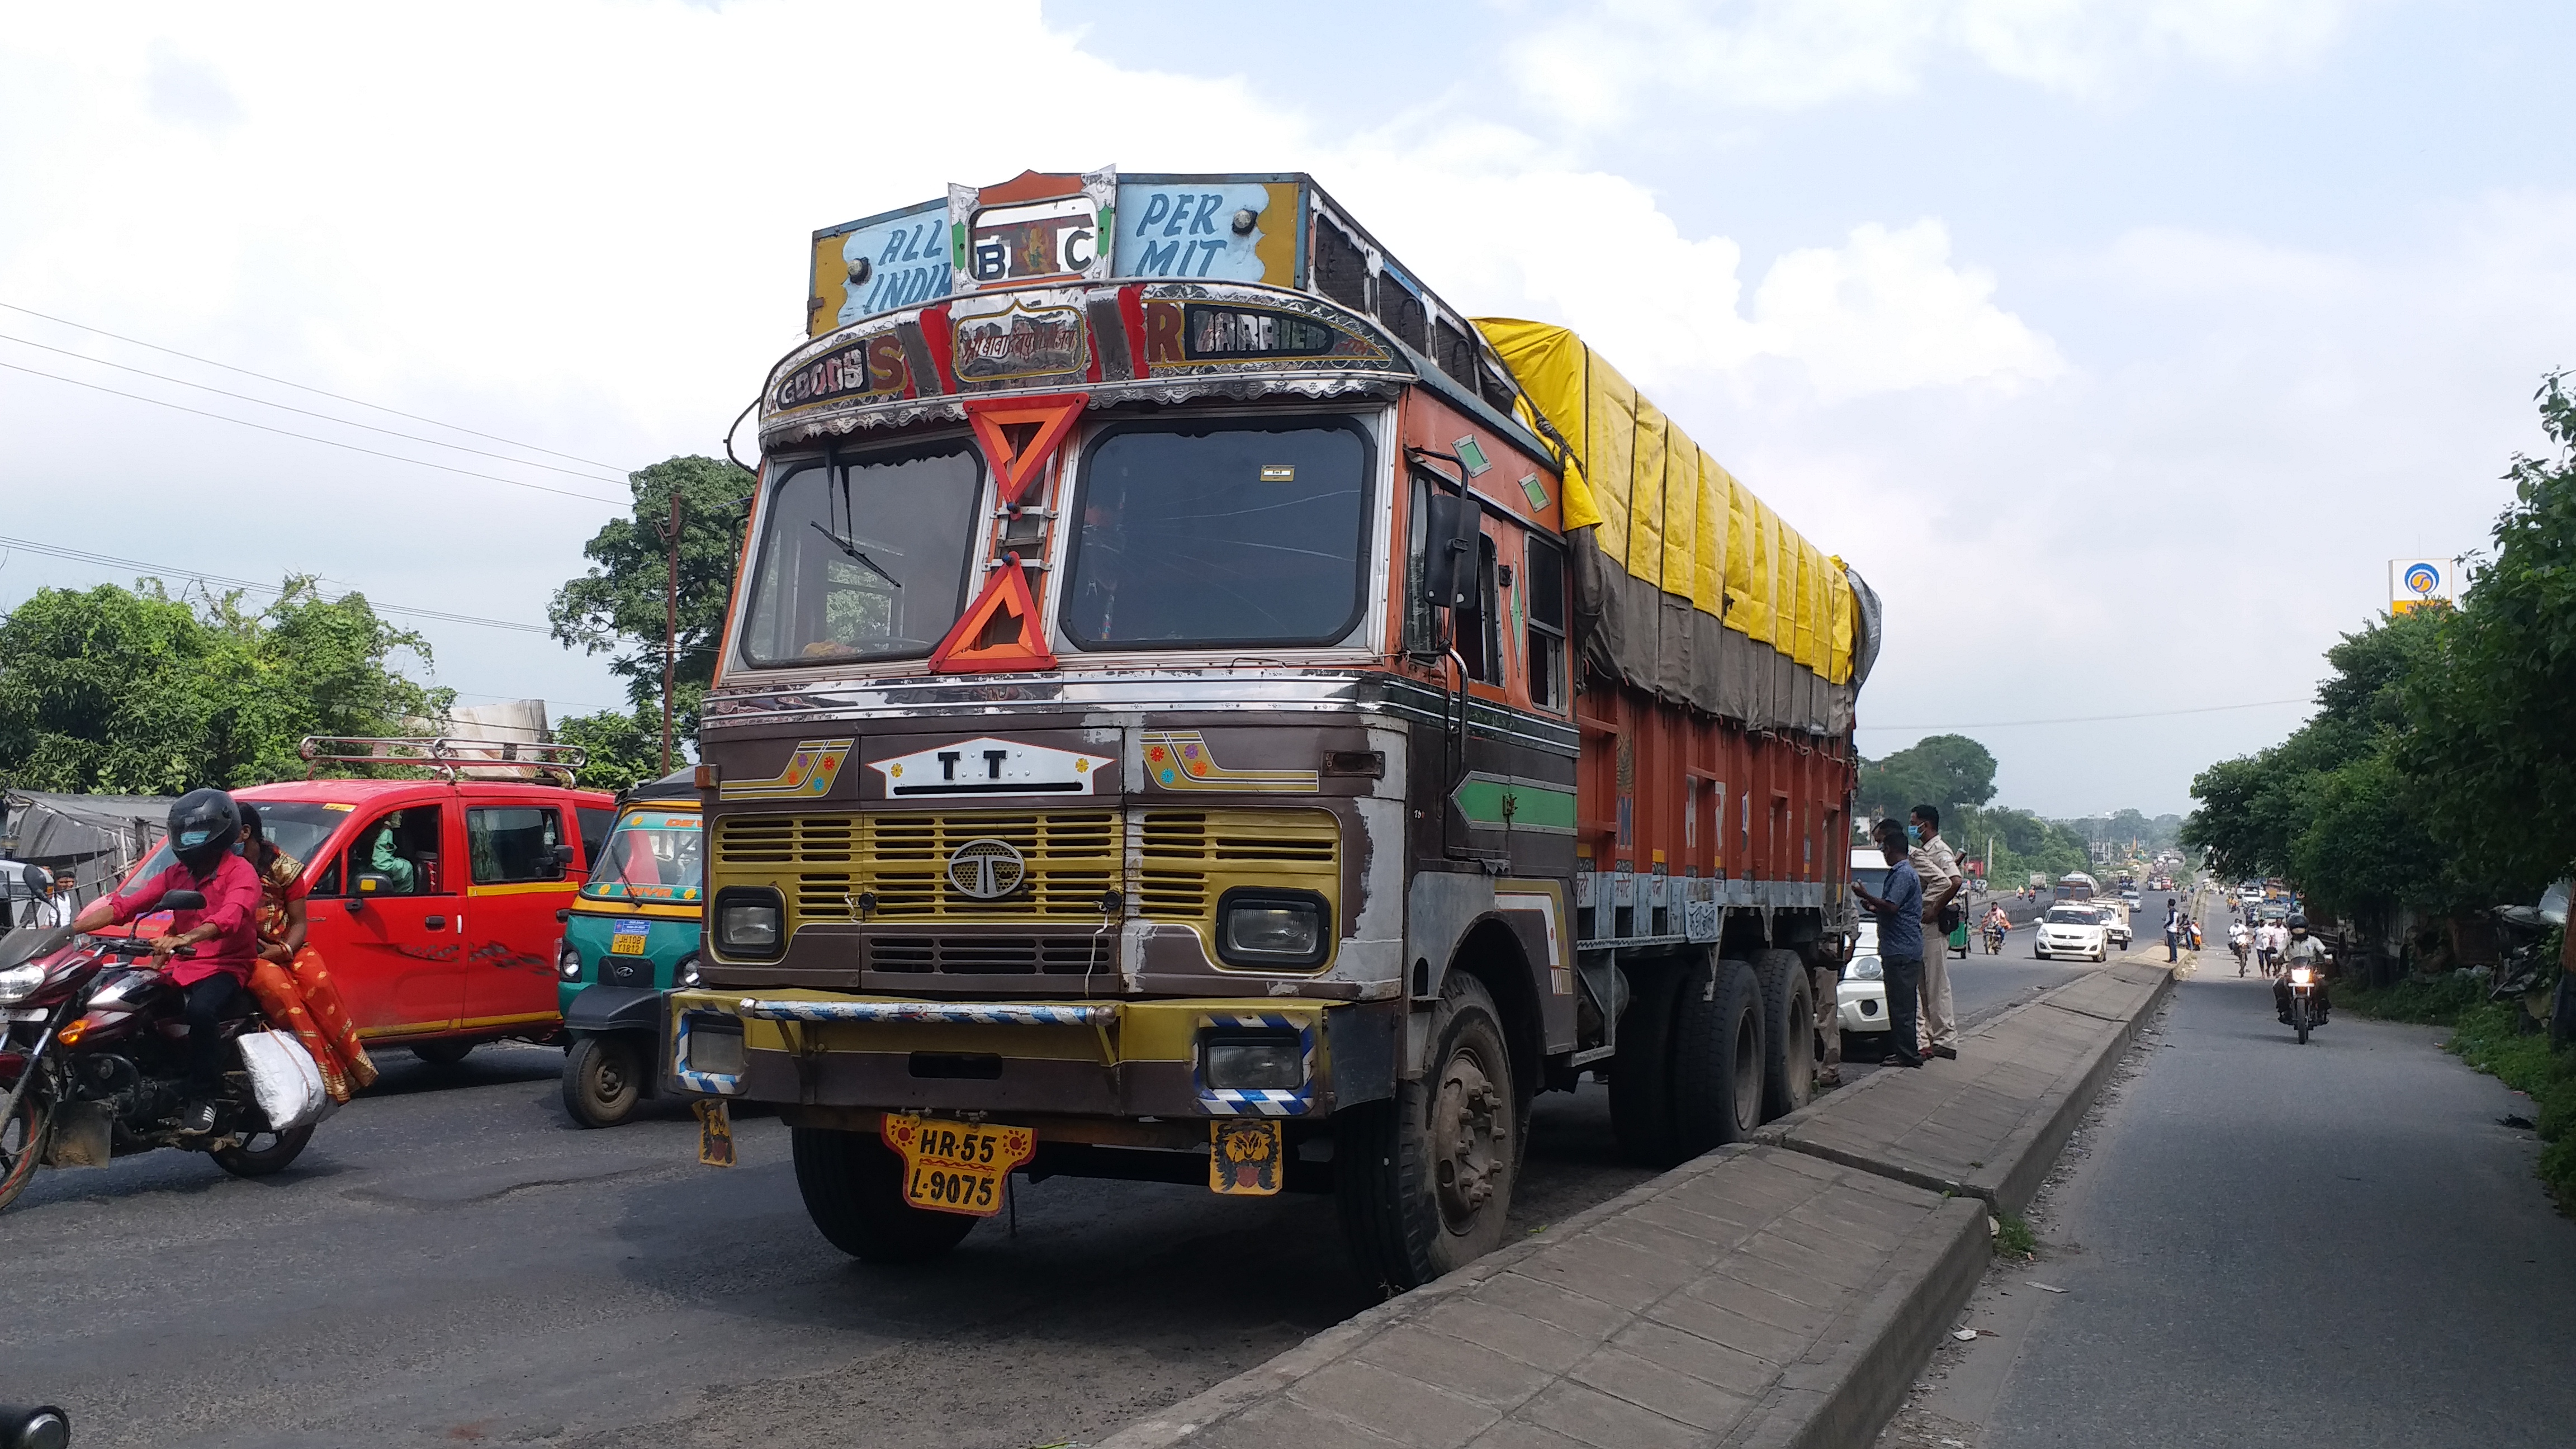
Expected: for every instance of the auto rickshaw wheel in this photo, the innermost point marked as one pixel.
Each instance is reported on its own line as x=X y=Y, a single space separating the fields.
x=603 y=1080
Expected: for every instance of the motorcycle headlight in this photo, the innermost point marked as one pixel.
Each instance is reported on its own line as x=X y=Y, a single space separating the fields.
x=18 y=982
x=2299 y=974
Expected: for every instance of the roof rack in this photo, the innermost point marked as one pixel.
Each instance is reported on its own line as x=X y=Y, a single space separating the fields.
x=445 y=753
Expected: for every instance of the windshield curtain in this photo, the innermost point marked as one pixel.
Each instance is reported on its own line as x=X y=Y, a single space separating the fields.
x=1251 y=531
x=865 y=557
x=293 y=826
x=654 y=856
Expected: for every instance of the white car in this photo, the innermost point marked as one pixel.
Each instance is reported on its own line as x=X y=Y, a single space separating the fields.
x=2070 y=929
x=1861 y=1000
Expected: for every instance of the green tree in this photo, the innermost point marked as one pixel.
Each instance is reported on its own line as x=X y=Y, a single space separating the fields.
x=1942 y=771
x=625 y=749
x=619 y=604
x=134 y=691
x=2489 y=702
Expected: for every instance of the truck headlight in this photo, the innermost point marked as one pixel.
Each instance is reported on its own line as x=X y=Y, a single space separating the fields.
x=1248 y=1061
x=750 y=922
x=714 y=1044
x=1260 y=927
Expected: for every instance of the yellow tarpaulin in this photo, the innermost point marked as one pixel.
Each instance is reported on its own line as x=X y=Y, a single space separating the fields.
x=1665 y=511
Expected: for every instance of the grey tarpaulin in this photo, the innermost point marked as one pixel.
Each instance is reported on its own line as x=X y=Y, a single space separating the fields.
x=91 y=839
x=1630 y=630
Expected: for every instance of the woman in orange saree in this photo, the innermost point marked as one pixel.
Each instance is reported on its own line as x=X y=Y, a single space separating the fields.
x=292 y=983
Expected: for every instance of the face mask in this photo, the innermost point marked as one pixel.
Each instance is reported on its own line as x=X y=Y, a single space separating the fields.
x=1914 y=833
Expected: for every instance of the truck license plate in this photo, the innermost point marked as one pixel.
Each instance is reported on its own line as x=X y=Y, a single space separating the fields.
x=628 y=942
x=956 y=1167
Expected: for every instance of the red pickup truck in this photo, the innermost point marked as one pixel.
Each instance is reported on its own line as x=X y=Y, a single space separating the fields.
x=434 y=901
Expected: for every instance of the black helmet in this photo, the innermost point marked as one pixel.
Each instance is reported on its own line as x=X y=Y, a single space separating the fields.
x=2297 y=922
x=203 y=825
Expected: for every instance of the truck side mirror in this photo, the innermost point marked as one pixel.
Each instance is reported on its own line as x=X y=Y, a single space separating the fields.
x=1450 y=528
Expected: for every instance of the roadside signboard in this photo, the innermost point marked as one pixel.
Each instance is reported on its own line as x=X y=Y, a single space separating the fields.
x=2415 y=582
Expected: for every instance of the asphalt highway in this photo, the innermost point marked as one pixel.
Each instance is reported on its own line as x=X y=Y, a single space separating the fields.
x=452 y=1261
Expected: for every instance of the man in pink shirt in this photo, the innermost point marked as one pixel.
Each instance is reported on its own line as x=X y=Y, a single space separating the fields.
x=205 y=825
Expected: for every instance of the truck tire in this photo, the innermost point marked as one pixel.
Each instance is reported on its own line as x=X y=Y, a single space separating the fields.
x=1788 y=1032
x=1717 y=1057
x=1425 y=1181
x=1641 y=1075
x=603 y=1080
x=853 y=1190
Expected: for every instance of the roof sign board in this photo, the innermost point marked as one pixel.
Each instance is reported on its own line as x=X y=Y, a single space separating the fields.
x=2416 y=582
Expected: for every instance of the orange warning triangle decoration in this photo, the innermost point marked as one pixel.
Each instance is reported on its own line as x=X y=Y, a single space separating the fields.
x=1014 y=468
x=999 y=631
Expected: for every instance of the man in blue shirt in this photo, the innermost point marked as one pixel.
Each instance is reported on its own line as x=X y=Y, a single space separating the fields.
x=1900 y=941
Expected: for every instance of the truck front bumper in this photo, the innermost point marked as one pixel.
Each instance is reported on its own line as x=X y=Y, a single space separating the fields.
x=1019 y=1059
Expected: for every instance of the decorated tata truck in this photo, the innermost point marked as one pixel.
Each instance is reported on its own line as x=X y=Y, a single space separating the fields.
x=1198 y=708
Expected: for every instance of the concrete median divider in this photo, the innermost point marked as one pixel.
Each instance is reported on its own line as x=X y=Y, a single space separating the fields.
x=1783 y=1292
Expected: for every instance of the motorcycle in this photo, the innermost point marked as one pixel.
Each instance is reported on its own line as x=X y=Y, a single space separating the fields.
x=93 y=1061
x=1994 y=940
x=2303 y=1014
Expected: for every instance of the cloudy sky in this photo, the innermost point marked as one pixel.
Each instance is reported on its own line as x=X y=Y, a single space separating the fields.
x=2120 y=344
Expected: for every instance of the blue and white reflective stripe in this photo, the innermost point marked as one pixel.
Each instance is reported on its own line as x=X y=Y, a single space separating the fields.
x=1255 y=1102
x=722 y=1084
x=967 y=1012
x=1261 y=1101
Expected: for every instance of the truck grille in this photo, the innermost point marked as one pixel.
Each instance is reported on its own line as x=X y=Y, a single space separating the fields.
x=1185 y=858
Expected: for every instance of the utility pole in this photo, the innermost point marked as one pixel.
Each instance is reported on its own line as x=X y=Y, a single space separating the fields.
x=670 y=621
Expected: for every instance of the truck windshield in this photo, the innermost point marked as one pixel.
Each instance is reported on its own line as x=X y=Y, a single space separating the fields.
x=1220 y=533
x=654 y=856
x=864 y=557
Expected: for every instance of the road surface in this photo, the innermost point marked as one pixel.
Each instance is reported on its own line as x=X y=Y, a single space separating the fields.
x=2335 y=1246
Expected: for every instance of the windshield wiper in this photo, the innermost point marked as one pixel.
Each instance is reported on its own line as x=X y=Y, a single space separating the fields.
x=852 y=549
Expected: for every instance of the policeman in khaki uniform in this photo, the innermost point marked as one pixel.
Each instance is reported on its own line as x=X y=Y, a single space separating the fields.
x=1943 y=882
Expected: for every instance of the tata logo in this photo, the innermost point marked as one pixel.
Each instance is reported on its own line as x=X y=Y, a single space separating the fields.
x=987 y=869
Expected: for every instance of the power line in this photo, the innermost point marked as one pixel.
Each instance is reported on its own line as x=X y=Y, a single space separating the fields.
x=301 y=387
x=308 y=412
x=111 y=561
x=2001 y=724
x=310 y=438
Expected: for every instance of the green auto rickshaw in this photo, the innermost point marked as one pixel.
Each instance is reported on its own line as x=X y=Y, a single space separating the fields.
x=629 y=936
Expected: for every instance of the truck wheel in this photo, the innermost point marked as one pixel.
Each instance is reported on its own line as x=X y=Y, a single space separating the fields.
x=1788 y=1032
x=603 y=1079
x=1717 y=1057
x=1425 y=1181
x=853 y=1190
x=1641 y=1075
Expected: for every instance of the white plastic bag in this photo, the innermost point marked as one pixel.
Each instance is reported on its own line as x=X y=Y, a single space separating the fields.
x=284 y=1079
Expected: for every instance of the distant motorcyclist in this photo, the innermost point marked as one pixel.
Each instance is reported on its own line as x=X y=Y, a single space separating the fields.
x=2303 y=950
x=204 y=826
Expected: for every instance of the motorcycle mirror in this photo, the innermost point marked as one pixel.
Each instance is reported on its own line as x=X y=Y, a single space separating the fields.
x=182 y=901
x=37 y=1427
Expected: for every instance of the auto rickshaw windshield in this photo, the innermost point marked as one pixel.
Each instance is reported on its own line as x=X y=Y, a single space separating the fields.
x=654 y=855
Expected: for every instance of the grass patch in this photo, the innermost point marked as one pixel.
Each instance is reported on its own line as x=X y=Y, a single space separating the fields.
x=2013 y=1237
x=2492 y=1037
